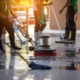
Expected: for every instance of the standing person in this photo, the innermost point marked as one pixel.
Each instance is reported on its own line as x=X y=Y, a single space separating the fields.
x=5 y=11
x=72 y=7
x=40 y=19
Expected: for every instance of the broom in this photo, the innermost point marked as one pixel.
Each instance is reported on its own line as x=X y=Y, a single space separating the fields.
x=31 y=65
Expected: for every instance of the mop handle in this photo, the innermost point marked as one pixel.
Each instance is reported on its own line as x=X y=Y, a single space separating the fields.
x=57 y=21
x=16 y=52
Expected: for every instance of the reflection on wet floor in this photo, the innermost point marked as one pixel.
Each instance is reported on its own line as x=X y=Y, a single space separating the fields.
x=14 y=68
x=68 y=62
x=72 y=66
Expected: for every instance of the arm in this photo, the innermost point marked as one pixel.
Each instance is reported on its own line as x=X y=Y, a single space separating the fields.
x=38 y=3
x=42 y=4
x=66 y=4
x=12 y=13
x=2 y=16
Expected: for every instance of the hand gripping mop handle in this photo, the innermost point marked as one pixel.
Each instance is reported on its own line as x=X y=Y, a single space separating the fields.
x=57 y=21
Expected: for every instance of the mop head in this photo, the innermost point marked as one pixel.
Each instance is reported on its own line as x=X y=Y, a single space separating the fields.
x=35 y=66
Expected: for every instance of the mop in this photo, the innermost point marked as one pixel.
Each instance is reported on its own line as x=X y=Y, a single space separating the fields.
x=31 y=64
x=23 y=32
x=18 y=25
x=15 y=29
x=57 y=22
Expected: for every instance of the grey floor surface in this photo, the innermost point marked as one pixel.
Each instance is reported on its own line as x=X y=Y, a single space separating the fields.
x=12 y=67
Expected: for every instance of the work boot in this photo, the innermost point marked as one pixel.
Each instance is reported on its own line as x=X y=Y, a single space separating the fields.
x=2 y=50
x=13 y=43
x=67 y=30
x=16 y=48
x=73 y=35
x=1 y=47
x=66 y=35
x=70 y=39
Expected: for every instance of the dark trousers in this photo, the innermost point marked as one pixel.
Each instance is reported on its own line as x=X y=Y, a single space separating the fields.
x=9 y=27
x=38 y=27
x=70 y=23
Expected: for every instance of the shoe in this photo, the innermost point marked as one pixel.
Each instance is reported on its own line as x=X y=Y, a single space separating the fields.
x=2 y=50
x=64 y=38
x=16 y=48
x=69 y=39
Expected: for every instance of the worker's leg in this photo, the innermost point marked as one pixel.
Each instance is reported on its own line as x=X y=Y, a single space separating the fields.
x=9 y=27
